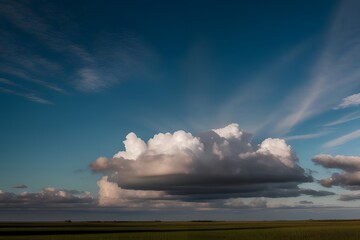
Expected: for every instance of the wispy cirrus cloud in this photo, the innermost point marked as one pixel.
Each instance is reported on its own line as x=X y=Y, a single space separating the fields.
x=27 y=95
x=344 y=119
x=343 y=139
x=337 y=61
x=257 y=88
x=23 y=75
x=128 y=57
x=7 y=82
x=21 y=91
x=94 y=67
x=306 y=136
x=25 y=18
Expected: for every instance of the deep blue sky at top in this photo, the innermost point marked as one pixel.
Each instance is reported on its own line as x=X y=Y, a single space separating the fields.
x=105 y=68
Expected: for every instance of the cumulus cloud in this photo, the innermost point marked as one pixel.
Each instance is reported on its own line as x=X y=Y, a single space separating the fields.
x=350 y=101
x=48 y=197
x=219 y=164
x=350 y=165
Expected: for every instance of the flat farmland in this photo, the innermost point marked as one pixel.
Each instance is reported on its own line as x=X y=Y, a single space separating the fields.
x=277 y=230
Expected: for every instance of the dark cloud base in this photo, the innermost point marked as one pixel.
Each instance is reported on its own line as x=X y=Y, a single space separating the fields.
x=219 y=164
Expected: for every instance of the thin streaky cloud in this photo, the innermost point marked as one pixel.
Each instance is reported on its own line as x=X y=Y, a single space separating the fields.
x=96 y=68
x=37 y=99
x=19 y=55
x=335 y=62
x=16 y=72
x=27 y=20
x=116 y=64
x=8 y=82
x=25 y=64
x=306 y=136
x=344 y=119
x=343 y=139
x=248 y=92
x=14 y=85
x=29 y=96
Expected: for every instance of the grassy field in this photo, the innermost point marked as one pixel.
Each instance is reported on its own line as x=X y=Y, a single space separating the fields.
x=279 y=230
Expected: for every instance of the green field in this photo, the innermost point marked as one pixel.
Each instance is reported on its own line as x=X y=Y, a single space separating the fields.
x=329 y=230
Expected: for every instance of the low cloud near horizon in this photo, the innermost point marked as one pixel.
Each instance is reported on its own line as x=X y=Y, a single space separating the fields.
x=46 y=198
x=217 y=169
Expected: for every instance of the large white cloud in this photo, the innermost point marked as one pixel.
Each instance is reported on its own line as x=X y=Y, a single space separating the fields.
x=218 y=164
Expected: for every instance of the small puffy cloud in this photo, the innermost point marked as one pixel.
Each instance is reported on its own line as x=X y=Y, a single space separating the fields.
x=20 y=186
x=48 y=197
x=350 y=101
x=306 y=202
x=134 y=147
x=350 y=165
x=219 y=164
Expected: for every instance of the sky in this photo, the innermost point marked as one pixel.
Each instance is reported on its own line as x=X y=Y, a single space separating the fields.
x=179 y=110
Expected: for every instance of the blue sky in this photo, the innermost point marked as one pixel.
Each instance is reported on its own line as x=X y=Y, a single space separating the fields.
x=77 y=77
